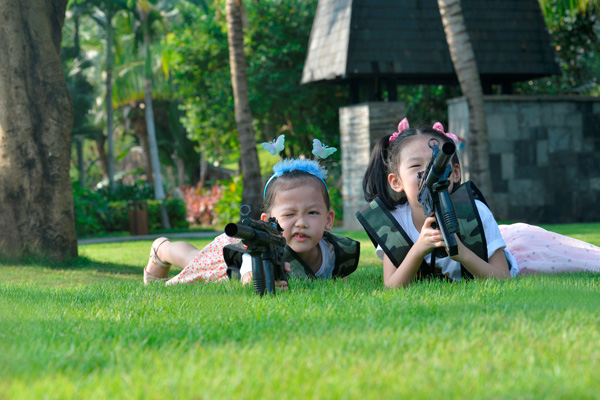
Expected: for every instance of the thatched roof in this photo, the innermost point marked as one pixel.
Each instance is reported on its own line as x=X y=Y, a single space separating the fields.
x=405 y=40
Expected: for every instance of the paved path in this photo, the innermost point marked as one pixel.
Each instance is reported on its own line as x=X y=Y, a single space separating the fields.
x=182 y=235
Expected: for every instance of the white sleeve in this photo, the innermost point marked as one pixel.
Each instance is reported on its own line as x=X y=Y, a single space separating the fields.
x=246 y=264
x=379 y=252
x=490 y=226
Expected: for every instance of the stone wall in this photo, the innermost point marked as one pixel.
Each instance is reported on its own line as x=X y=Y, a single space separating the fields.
x=544 y=156
x=361 y=126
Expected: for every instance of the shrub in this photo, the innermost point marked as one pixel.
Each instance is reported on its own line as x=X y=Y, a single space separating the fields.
x=200 y=203
x=175 y=210
x=96 y=212
x=90 y=211
x=141 y=190
x=227 y=209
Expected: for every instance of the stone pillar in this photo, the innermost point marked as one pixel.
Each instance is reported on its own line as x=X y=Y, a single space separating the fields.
x=361 y=125
x=544 y=155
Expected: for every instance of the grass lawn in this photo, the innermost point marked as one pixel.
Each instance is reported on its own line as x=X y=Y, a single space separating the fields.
x=91 y=330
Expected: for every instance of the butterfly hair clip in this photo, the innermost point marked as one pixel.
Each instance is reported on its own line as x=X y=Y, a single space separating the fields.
x=274 y=146
x=322 y=151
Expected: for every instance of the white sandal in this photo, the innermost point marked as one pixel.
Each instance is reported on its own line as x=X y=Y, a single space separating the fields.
x=148 y=277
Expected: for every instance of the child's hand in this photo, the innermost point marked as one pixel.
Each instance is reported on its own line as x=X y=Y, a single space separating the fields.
x=281 y=285
x=461 y=250
x=247 y=278
x=429 y=238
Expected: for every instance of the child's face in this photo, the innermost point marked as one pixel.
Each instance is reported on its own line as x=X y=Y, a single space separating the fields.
x=304 y=217
x=414 y=158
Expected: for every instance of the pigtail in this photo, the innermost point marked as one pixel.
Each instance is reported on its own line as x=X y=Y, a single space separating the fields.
x=375 y=182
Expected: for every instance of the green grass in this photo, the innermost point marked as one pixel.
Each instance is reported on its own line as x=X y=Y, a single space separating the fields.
x=90 y=329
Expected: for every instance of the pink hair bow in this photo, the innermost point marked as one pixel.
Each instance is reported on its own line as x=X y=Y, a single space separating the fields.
x=439 y=127
x=403 y=125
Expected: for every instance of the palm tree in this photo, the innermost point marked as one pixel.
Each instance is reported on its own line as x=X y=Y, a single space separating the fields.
x=251 y=194
x=129 y=95
x=103 y=12
x=467 y=72
x=147 y=13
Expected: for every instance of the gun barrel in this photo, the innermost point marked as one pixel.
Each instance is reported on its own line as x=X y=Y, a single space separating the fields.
x=443 y=157
x=254 y=236
x=440 y=163
x=240 y=231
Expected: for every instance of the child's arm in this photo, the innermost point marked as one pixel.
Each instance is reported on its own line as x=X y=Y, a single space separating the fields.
x=429 y=239
x=496 y=267
x=404 y=274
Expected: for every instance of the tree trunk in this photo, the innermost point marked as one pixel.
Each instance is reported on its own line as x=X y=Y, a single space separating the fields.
x=138 y=126
x=180 y=163
x=467 y=72
x=251 y=179
x=159 y=191
x=36 y=116
x=203 y=169
x=80 y=161
x=99 y=141
x=109 y=104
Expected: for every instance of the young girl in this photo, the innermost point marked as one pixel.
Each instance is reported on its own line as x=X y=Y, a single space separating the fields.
x=405 y=237
x=297 y=196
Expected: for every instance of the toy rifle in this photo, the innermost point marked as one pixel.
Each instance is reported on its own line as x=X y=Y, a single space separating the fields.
x=265 y=243
x=434 y=197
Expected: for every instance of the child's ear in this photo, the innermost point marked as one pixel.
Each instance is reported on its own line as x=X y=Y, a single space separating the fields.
x=264 y=217
x=395 y=183
x=330 y=220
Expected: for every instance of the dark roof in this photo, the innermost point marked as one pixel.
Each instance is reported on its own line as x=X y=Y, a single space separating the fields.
x=405 y=39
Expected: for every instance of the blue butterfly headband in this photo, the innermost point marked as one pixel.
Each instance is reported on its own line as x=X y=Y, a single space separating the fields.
x=309 y=166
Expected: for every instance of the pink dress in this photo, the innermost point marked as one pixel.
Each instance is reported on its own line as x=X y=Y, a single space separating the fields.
x=538 y=250
x=208 y=265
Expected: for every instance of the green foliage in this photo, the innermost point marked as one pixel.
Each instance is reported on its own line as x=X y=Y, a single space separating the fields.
x=141 y=190
x=175 y=210
x=227 y=208
x=117 y=216
x=334 y=184
x=276 y=44
x=200 y=71
x=98 y=212
x=90 y=211
x=575 y=30
x=426 y=104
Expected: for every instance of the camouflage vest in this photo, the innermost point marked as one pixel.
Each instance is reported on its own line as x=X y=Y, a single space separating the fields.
x=346 y=250
x=384 y=230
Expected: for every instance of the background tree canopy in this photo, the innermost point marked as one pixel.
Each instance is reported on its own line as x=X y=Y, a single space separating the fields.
x=193 y=97
x=276 y=41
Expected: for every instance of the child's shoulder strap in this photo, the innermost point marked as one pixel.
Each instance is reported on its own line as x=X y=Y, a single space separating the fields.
x=384 y=230
x=346 y=250
x=298 y=267
x=472 y=233
x=347 y=254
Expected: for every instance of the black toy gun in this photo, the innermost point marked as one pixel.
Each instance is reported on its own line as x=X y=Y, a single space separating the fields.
x=265 y=244
x=434 y=197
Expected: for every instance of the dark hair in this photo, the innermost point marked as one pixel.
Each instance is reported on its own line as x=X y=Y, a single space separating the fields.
x=385 y=159
x=291 y=180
